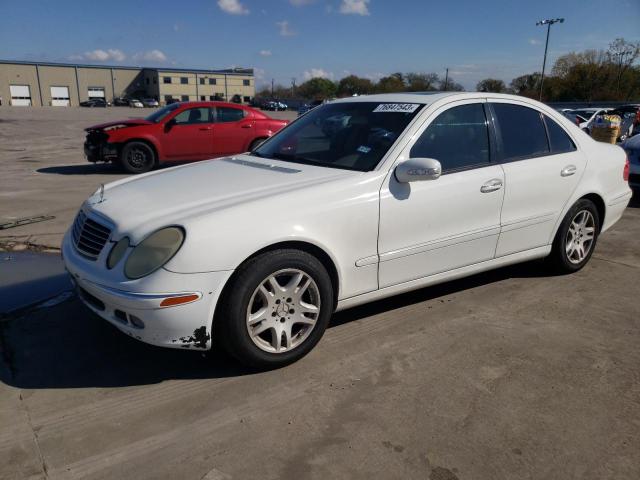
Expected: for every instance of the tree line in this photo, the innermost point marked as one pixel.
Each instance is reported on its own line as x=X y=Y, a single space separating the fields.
x=602 y=75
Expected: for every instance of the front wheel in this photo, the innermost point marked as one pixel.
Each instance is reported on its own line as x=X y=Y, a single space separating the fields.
x=576 y=238
x=276 y=309
x=137 y=157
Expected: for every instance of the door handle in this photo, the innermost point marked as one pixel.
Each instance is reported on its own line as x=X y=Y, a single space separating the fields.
x=568 y=171
x=246 y=125
x=491 y=186
x=205 y=128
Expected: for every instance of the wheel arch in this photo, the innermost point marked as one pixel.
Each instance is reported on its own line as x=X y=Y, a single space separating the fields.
x=600 y=206
x=301 y=245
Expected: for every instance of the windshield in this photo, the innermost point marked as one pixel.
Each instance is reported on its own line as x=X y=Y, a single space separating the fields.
x=353 y=135
x=155 y=117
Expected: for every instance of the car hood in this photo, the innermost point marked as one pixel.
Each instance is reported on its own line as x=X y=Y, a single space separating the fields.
x=131 y=122
x=138 y=205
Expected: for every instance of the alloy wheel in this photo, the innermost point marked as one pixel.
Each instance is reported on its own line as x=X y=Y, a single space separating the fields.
x=283 y=311
x=580 y=236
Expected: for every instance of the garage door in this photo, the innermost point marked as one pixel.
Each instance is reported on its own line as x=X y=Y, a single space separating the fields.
x=60 y=96
x=95 y=92
x=20 y=95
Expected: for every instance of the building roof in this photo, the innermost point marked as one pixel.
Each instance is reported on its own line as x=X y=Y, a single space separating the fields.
x=227 y=71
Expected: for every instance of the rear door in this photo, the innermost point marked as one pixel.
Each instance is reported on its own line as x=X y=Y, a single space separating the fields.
x=189 y=135
x=542 y=167
x=233 y=130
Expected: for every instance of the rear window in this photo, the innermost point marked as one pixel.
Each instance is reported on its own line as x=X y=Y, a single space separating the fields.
x=522 y=131
x=559 y=141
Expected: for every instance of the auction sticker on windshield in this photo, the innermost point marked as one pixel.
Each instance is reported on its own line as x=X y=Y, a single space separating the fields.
x=397 y=107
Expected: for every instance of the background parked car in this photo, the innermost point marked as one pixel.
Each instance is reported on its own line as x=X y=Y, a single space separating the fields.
x=120 y=102
x=274 y=106
x=150 y=102
x=585 y=117
x=309 y=106
x=94 y=102
x=181 y=131
x=135 y=103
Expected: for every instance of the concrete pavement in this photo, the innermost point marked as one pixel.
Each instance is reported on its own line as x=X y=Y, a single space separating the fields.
x=511 y=374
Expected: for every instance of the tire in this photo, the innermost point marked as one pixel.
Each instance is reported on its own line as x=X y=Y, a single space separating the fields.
x=581 y=221
x=256 y=143
x=265 y=328
x=137 y=157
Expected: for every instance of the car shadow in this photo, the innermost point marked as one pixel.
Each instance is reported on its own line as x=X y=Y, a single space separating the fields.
x=635 y=200
x=67 y=346
x=99 y=168
x=83 y=169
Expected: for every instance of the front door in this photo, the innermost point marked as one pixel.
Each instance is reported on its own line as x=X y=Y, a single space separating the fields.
x=438 y=225
x=189 y=135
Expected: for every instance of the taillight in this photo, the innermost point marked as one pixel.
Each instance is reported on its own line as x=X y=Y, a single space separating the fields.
x=625 y=172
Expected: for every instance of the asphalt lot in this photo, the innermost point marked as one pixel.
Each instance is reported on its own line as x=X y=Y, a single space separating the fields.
x=510 y=374
x=44 y=171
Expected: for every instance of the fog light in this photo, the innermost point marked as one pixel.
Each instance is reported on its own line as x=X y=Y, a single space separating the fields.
x=136 y=322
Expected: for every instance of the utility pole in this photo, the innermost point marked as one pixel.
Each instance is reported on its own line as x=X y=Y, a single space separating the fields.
x=293 y=86
x=272 y=88
x=548 y=23
x=446 y=79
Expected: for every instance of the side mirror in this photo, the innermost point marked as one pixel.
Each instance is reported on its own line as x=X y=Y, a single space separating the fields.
x=418 y=169
x=169 y=125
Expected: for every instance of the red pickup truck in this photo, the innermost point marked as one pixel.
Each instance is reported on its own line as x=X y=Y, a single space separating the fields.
x=178 y=132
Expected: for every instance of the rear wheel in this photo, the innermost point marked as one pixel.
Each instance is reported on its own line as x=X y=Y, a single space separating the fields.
x=137 y=157
x=256 y=143
x=275 y=309
x=576 y=238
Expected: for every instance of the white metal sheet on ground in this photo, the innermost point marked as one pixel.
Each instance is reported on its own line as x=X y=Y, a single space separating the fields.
x=20 y=95
x=60 y=96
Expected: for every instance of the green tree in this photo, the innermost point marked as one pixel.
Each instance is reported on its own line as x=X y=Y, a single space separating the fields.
x=392 y=83
x=492 y=85
x=318 y=89
x=450 y=85
x=526 y=85
x=354 y=85
x=421 y=82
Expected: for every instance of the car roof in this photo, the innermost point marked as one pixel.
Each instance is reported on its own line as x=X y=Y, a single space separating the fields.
x=431 y=97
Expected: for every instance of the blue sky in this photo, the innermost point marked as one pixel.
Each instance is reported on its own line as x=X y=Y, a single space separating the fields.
x=285 y=39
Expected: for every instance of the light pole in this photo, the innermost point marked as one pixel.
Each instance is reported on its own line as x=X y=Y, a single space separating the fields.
x=548 y=23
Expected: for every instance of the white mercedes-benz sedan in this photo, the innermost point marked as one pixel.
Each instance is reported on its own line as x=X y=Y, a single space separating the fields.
x=394 y=193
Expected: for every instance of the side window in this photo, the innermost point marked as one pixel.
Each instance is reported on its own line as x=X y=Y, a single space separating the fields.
x=227 y=114
x=523 y=133
x=558 y=139
x=458 y=138
x=193 y=115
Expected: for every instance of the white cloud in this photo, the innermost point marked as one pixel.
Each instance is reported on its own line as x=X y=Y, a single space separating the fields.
x=259 y=73
x=265 y=53
x=154 y=56
x=233 y=7
x=285 y=29
x=100 y=55
x=534 y=41
x=315 y=73
x=300 y=3
x=106 y=55
x=354 y=7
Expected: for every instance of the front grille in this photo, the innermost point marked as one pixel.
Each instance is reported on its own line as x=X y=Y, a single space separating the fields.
x=89 y=236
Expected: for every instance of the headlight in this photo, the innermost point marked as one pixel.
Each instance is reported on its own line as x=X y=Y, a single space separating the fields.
x=117 y=252
x=153 y=252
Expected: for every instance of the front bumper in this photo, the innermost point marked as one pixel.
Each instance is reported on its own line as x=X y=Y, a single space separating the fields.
x=100 y=152
x=134 y=306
